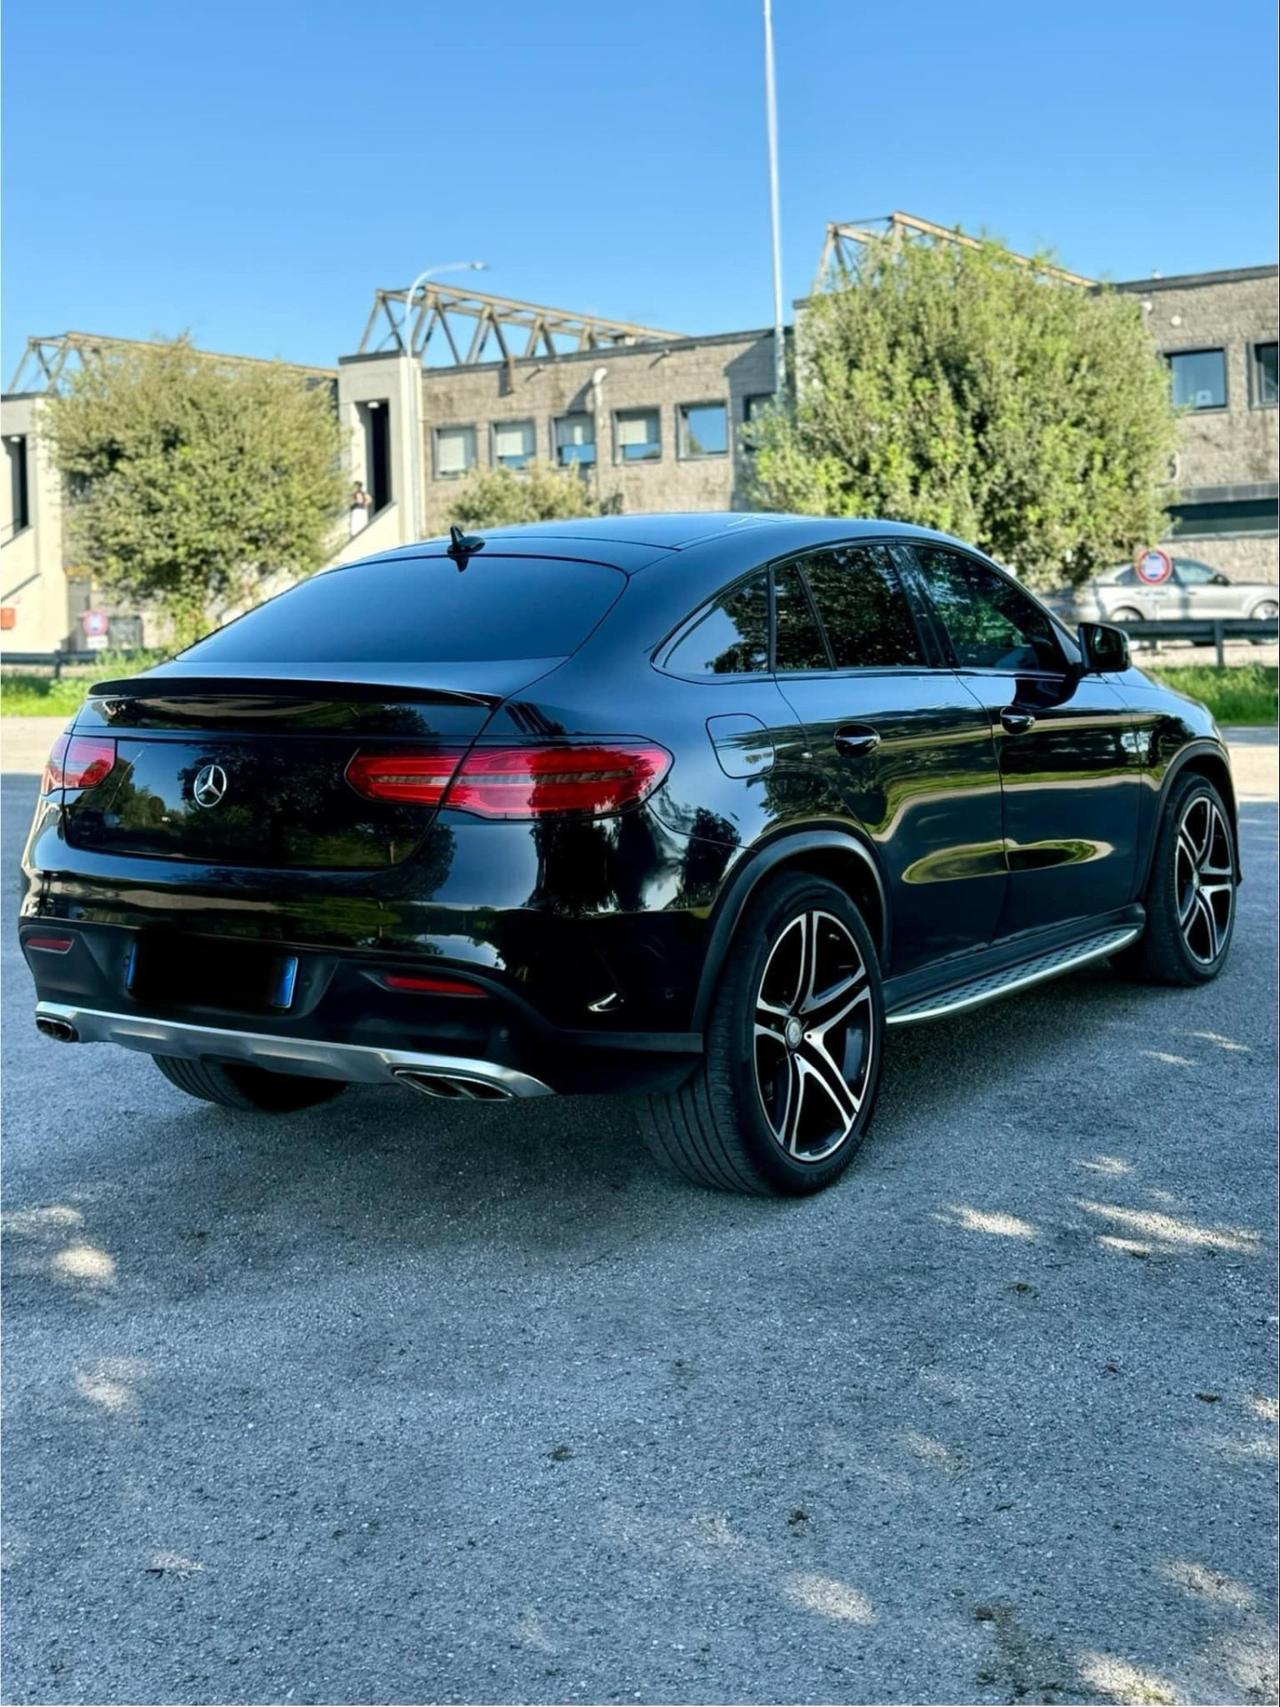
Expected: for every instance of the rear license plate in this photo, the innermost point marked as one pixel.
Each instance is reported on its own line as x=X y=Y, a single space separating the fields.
x=198 y=972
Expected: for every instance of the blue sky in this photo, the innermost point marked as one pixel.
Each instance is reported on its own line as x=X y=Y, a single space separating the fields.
x=251 y=172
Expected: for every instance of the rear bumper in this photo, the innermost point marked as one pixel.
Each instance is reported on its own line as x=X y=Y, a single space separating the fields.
x=439 y=1075
x=338 y=1020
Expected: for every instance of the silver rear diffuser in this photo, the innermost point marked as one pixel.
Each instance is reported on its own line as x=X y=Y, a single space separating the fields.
x=457 y=1077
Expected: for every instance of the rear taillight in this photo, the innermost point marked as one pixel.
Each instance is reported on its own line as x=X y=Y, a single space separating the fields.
x=78 y=761
x=430 y=986
x=517 y=782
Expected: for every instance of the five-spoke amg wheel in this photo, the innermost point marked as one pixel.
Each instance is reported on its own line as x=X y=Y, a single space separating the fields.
x=1191 y=894
x=785 y=1089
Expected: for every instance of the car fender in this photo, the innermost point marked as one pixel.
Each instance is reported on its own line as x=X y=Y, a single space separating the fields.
x=1200 y=748
x=794 y=847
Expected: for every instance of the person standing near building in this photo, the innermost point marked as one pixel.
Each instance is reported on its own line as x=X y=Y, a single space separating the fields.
x=361 y=504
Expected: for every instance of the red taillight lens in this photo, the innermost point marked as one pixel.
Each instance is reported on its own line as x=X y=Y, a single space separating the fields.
x=417 y=778
x=78 y=761
x=430 y=986
x=517 y=782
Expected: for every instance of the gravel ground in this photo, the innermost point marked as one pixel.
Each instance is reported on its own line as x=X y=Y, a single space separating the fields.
x=394 y=1401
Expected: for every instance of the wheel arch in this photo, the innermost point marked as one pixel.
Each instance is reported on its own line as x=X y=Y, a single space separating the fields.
x=1206 y=759
x=836 y=854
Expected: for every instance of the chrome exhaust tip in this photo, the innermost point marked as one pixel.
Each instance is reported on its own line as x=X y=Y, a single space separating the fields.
x=59 y=1029
x=454 y=1087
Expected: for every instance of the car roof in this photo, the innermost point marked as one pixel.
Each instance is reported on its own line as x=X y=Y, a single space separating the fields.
x=665 y=532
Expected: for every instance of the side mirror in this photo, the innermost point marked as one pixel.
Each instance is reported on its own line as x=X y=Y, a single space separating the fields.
x=1103 y=647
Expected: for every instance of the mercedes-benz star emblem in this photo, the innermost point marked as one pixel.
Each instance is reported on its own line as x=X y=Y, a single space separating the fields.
x=210 y=785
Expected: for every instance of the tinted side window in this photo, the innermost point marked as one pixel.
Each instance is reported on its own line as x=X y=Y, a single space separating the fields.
x=863 y=608
x=731 y=639
x=992 y=625
x=797 y=638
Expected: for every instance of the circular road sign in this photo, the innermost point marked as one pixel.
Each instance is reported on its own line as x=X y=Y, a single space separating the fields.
x=1154 y=567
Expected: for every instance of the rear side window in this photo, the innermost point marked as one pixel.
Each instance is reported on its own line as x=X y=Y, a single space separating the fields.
x=797 y=639
x=991 y=623
x=423 y=609
x=731 y=639
x=863 y=608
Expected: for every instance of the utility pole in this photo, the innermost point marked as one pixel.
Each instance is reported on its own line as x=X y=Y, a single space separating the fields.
x=771 y=119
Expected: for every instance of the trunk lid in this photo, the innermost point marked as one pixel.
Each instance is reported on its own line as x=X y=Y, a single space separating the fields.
x=250 y=769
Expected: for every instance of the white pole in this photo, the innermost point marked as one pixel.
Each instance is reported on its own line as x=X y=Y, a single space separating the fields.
x=771 y=117
x=413 y=413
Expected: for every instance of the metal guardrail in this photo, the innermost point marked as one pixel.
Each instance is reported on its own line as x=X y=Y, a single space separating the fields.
x=1207 y=631
x=58 y=661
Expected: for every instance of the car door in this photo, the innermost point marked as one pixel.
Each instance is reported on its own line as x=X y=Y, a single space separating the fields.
x=892 y=738
x=1204 y=592
x=1068 y=758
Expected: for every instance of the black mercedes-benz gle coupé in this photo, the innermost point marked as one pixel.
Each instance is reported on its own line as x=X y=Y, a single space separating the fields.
x=694 y=805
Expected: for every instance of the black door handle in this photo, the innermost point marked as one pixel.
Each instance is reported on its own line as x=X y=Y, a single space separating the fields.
x=856 y=738
x=1015 y=721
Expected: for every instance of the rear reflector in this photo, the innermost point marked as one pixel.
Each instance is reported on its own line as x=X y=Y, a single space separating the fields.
x=50 y=944
x=517 y=782
x=430 y=986
x=78 y=761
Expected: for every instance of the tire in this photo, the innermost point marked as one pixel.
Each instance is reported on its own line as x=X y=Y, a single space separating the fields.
x=1265 y=611
x=774 y=1107
x=1191 y=892
x=1126 y=613
x=249 y=1089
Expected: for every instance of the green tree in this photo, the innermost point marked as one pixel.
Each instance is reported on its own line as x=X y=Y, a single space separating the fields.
x=191 y=480
x=953 y=388
x=500 y=497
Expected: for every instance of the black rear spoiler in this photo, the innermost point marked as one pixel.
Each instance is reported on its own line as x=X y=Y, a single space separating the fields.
x=277 y=687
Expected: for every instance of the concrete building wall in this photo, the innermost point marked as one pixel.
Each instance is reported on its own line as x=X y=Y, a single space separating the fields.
x=731 y=369
x=34 y=588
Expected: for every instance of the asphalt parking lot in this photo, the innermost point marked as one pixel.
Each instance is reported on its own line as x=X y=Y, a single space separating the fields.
x=393 y=1401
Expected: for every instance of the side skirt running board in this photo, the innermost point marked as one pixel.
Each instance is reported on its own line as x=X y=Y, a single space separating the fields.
x=1020 y=977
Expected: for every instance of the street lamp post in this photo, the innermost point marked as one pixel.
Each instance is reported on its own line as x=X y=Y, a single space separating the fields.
x=771 y=122
x=413 y=422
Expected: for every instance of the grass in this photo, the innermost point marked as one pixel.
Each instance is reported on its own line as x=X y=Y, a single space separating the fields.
x=24 y=695
x=31 y=693
x=1237 y=693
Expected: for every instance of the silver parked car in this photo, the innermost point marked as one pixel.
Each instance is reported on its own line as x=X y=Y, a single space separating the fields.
x=1193 y=590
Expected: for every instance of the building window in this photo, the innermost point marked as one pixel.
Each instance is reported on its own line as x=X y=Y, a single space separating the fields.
x=513 y=443
x=455 y=451
x=1199 y=379
x=704 y=429
x=575 y=440
x=637 y=435
x=1263 y=371
x=19 y=491
x=1241 y=516
x=375 y=419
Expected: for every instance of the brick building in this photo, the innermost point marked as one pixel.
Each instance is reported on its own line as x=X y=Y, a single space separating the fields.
x=1217 y=331
x=655 y=421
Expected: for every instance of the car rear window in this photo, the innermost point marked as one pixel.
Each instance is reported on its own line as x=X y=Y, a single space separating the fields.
x=423 y=609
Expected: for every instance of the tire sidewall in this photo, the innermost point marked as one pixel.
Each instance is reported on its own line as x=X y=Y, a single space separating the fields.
x=733 y=1028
